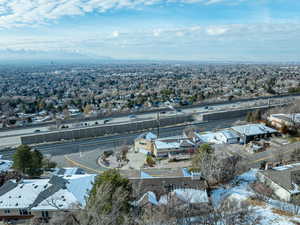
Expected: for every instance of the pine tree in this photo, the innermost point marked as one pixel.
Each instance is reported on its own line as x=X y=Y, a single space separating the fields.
x=22 y=158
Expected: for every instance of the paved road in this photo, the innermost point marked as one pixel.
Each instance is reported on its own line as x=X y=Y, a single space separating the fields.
x=12 y=137
x=92 y=148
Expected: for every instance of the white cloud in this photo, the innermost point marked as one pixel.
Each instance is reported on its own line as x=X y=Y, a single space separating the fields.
x=115 y=34
x=234 y=39
x=16 y=13
x=216 y=30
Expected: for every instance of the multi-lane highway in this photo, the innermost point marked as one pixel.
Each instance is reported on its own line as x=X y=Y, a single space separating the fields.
x=12 y=137
x=107 y=142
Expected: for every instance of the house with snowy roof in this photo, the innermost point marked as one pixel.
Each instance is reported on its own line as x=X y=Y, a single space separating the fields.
x=196 y=200
x=144 y=143
x=173 y=148
x=42 y=198
x=5 y=165
x=283 y=180
x=162 y=181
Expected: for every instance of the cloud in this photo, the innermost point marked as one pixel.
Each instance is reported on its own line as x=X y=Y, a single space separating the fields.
x=231 y=41
x=216 y=30
x=115 y=34
x=17 y=13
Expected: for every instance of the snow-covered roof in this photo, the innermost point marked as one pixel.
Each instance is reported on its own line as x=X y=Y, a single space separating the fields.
x=5 y=165
x=208 y=137
x=58 y=192
x=253 y=129
x=148 y=197
x=166 y=145
x=229 y=134
x=148 y=136
x=193 y=196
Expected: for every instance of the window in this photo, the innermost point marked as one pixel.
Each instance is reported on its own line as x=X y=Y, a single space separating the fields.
x=24 y=212
x=6 y=211
x=45 y=214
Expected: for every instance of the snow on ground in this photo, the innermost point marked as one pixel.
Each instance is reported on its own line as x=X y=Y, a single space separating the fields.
x=271 y=212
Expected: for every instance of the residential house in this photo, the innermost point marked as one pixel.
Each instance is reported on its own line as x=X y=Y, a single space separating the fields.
x=173 y=148
x=144 y=143
x=163 y=181
x=42 y=198
x=5 y=165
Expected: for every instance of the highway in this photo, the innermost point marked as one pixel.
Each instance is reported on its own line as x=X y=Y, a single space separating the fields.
x=11 y=138
x=108 y=142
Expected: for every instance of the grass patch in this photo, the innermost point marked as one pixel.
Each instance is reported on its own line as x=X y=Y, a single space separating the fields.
x=256 y=202
x=282 y=213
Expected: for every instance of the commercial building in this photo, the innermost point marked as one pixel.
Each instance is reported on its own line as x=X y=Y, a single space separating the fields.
x=252 y=132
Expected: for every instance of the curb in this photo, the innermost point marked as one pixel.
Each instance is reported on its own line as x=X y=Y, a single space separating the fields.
x=81 y=165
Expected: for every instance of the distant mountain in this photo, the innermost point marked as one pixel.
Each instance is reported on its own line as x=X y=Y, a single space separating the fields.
x=9 y=55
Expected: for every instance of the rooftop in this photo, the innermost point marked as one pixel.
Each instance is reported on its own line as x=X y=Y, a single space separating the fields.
x=253 y=129
x=46 y=194
x=285 y=176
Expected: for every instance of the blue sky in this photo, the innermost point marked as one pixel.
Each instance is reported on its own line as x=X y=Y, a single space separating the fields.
x=250 y=30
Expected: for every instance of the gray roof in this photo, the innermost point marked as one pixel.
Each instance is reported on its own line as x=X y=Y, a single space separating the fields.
x=284 y=176
x=254 y=129
x=7 y=186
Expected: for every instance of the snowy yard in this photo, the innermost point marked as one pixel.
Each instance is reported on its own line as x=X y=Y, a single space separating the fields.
x=267 y=212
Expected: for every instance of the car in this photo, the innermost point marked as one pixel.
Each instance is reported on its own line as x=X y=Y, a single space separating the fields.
x=131 y=116
x=106 y=121
x=36 y=131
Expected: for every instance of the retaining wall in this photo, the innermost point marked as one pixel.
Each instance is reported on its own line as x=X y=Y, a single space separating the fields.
x=91 y=132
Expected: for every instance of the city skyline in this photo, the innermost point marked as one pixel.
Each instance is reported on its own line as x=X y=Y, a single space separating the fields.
x=197 y=30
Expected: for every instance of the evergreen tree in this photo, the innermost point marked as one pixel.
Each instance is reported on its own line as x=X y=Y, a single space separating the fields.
x=27 y=161
x=22 y=158
x=36 y=163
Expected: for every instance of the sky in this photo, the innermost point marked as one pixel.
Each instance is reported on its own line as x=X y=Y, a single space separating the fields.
x=191 y=30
